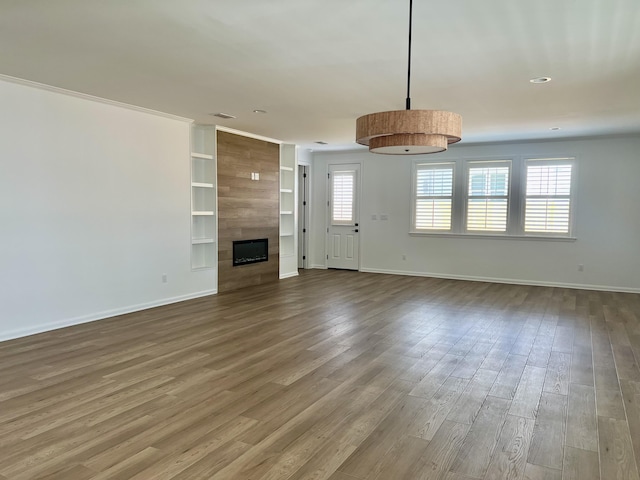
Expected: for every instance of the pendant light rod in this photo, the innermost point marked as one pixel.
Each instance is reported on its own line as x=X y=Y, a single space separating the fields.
x=408 y=101
x=409 y=132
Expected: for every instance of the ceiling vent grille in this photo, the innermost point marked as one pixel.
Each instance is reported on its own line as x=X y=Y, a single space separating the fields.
x=222 y=115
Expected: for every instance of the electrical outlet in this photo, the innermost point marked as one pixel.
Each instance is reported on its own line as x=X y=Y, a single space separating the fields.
x=384 y=216
x=374 y=217
x=164 y=278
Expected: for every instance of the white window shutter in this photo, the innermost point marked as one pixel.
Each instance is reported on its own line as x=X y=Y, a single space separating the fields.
x=434 y=197
x=342 y=198
x=488 y=196
x=548 y=196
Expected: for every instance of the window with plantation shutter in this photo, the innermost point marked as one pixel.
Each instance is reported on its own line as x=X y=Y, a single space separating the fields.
x=342 y=197
x=504 y=197
x=548 y=196
x=433 y=197
x=488 y=196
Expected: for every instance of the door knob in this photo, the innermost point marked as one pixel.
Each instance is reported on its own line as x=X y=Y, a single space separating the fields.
x=356 y=230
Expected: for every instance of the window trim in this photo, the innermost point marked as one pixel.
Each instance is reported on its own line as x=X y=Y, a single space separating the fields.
x=414 y=197
x=468 y=164
x=516 y=199
x=354 y=177
x=572 y=196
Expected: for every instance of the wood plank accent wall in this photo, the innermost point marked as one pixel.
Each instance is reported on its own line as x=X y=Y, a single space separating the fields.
x=247 y=209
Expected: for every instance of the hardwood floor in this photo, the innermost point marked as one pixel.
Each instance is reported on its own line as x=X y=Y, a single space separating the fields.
x=334 y=375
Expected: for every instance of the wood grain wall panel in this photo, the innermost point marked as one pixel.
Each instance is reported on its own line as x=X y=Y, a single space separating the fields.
x=247 y=209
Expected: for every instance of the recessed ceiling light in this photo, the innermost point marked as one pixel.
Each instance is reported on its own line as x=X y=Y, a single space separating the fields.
x=555 y=128
x=540 y=80
x=222 y=115
x=257 y=110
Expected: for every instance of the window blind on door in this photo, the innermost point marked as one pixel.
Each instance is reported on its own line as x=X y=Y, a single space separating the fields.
x=342 y=198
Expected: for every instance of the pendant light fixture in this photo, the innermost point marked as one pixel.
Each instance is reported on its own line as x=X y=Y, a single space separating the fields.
x=409 y=132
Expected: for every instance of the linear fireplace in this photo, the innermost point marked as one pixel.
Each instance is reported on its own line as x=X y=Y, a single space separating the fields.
x=250 y=251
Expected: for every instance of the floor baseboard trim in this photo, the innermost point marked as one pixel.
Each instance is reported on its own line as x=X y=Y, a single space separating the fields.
x=513 y=281
x=289 y=275
x=47 y=327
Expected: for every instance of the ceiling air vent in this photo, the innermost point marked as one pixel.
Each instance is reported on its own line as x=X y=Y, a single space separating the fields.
x=222 y=115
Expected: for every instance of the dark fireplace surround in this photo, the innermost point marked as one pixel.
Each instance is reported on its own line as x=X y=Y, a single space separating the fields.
x=246 y=252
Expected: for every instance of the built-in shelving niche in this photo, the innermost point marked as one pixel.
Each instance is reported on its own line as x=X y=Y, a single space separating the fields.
x=203 y=198
x=204 y=248
x=288 y=214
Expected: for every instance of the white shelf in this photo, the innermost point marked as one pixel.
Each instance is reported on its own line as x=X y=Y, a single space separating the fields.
x=287 y=243
x=203 y=227
x=203 y=198
x=202 y=155
x=203 y=255
x=287 y=248
x=198 y=241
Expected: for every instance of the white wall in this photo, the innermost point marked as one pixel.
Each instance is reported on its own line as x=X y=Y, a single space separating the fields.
x=607 y=225
x=95 y=207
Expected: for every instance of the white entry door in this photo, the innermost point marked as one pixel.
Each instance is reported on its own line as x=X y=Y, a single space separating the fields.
x=343 y=239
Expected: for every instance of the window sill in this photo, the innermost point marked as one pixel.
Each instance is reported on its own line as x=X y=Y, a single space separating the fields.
x=494 y=237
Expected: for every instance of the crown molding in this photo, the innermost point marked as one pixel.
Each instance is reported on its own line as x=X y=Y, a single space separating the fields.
x=247 y=134
x=92 y=98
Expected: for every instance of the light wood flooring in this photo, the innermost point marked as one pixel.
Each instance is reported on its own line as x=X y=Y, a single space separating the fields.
x=334 y=375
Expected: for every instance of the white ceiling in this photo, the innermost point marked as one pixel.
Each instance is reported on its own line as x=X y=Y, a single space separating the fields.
x=316 y=65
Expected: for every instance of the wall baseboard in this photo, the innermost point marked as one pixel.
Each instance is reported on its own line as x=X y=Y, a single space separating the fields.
x=46 y=327
x=319 y=267
x=512 y=281
x=288 y=275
